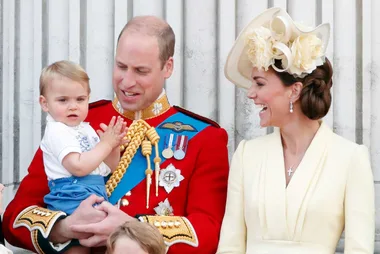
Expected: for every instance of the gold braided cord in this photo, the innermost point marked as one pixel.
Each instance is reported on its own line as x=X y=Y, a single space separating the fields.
x=155 y=138
x=136 y=133
x=152 y=135
x=157 y=162
x=146 y=150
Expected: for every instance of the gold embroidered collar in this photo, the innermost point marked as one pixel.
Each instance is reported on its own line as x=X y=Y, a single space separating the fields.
x=160 y=106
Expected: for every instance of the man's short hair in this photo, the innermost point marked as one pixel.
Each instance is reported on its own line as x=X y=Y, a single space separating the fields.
x=154 y=26
x=65 y=69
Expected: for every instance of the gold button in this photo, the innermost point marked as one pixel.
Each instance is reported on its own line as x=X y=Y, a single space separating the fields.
x=124 y=202
x=163 y=224
x=170 y=224
x=157 y=224
x=177 y=224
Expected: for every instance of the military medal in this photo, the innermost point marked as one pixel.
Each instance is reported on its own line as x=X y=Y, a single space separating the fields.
x=181 y=146
x=170 y=178
x=167 y=153
x=164 y=208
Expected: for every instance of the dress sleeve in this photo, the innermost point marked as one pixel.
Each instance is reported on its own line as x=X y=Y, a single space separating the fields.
x=360 y=205
x=233 y=232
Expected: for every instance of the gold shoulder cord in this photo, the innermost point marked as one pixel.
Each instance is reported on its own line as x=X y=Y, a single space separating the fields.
x=139 y=133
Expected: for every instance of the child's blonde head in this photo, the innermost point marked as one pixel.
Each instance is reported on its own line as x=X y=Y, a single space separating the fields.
x=146 y=235
x=64 y=69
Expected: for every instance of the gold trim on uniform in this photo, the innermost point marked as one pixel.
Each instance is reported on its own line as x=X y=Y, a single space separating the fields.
x=37 y=218
x=160 y=106
x=178 y=127
x=34 y=234
x=174 y=229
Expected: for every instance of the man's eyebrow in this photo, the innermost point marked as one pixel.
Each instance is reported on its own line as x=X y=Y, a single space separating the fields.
x=136 y=67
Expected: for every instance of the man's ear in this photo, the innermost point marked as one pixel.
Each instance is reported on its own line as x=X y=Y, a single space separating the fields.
x=168 y=68
x=43 y=103
x=296 y=89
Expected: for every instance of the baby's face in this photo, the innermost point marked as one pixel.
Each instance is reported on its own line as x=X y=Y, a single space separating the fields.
x=66 y=101
x=1 y=197
x=124 y=245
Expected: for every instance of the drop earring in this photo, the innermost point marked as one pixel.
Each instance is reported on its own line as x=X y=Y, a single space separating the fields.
x=291 y=107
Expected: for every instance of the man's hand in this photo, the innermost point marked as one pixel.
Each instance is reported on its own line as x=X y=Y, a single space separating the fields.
x=101 y=230
x=86 y=213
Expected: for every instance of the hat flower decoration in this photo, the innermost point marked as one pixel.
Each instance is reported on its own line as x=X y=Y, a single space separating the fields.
x=272 y=36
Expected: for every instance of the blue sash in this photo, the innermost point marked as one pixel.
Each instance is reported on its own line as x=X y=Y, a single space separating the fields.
x=136 y=170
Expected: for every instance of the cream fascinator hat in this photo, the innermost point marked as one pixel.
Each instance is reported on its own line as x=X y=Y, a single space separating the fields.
x=274 y=35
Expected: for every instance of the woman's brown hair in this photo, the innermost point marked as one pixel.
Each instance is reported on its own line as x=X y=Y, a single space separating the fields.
x=315 y=97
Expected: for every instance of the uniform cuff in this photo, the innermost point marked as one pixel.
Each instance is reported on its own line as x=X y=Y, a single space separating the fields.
x=174 y=229
x=40 y=221
x=43 y=246
x=38 y=218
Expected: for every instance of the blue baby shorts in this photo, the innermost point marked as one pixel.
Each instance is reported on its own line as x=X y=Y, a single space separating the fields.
x=66 y=194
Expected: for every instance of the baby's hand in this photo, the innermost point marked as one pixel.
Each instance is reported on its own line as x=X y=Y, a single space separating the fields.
x=114 y=133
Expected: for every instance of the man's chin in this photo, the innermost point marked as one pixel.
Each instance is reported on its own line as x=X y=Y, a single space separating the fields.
x=131 y=107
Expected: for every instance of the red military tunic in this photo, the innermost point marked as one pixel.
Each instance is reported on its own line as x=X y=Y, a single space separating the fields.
x=200 y=197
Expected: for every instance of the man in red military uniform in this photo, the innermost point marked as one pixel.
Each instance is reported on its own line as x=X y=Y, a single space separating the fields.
x=185 y=200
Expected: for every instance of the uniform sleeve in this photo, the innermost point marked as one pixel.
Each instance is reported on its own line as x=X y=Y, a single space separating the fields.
x=26 y=223
x=233 y=232
x=198 y=232
x=360 y=206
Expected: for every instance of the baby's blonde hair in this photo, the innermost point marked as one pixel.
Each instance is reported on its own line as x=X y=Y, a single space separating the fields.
x=146 y=235
x=65 y=69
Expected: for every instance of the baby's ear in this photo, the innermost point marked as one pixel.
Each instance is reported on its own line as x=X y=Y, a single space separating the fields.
x=43 y=103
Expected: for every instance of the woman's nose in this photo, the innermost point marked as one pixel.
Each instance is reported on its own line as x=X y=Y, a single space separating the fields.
x=252 y=93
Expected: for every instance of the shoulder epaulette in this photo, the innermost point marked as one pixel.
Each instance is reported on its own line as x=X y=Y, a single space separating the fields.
x=96 y=104
x=196 y=116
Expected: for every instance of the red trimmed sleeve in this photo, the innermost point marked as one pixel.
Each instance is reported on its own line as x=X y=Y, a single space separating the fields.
x=30 y=193
x=207 y=192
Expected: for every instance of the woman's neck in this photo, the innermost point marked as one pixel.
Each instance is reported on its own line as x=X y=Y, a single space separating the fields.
x=297 y=135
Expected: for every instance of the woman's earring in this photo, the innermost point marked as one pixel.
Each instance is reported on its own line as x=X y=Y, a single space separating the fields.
x=291 y=107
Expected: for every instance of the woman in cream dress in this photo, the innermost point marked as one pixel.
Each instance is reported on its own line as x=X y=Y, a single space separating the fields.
x=293 y=191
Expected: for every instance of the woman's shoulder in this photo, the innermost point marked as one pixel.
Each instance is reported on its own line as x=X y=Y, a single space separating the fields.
x=344 y=145
x=347 y=151
x=261 y=139
x=255 y=144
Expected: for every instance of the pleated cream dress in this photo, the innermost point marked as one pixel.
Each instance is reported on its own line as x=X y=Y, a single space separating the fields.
x=331 y=190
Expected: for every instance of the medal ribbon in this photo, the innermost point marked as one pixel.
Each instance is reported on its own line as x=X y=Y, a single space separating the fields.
x=136 y=170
